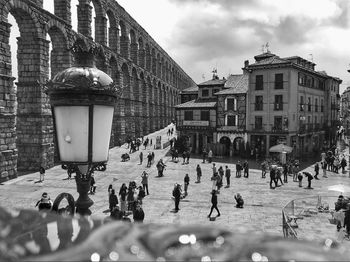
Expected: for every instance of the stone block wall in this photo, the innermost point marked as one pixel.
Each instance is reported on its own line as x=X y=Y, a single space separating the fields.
x=26 y=127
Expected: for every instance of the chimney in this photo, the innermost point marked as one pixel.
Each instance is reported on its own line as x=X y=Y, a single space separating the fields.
x=246 y=63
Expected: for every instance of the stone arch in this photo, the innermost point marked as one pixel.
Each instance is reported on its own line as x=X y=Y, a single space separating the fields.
x=135 y=103
x=156 y=103
x=133 y=47
x=224 y=140
x=148 y=58
x=33 y=57
x=159 y=66
x=154 y=61
x=124 y=40
x=144 y=106
x=118 y=126
x=62 y=9
x=238 y=145
x=141 y=53
x=166 y=73
x=112 y=31
x=100 y=22
x=150 y=91
x=60 y=58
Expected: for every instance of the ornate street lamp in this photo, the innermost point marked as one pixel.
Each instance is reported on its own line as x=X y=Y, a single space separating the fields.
x=82 y=101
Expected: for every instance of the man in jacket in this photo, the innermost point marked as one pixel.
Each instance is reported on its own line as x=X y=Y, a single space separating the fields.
x=214 y=203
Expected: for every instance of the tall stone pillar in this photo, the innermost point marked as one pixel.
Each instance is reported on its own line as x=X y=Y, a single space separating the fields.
x=8 y=150
x=84 y=18
x=101 y=30
x=134 y=53
x=34 y=122
x=63 y=10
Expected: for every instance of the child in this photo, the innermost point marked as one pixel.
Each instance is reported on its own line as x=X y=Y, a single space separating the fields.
x=300 y=178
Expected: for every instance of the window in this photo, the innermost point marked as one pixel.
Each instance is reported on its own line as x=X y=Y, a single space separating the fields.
x=258 y=103
x=301 y=103
x=316 y=105
x=301 y=79
x=258 y=122
x=205 y=92
x=259 y=82
x=215 y=91
x=231 y=104
x=205 y=116
x=278 y=102
x=309 y=104
x=188 y=115
x=278 y=123
x=278 y=81
x=232 y=120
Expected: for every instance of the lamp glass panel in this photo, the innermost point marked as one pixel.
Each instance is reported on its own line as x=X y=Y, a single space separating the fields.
x=103 y=117
x=72 y=129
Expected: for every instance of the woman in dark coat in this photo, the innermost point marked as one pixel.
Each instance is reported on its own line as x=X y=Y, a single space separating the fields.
x=113 y=200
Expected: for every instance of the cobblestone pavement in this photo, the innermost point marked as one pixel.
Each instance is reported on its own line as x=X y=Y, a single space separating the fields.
x=261 y=213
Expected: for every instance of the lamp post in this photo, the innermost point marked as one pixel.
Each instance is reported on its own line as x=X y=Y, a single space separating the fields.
x=82 y=101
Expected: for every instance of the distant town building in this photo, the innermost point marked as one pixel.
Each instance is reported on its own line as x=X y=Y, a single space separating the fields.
x=290 y=102
x=189 y=94
x=345 y=110
x=275 y=100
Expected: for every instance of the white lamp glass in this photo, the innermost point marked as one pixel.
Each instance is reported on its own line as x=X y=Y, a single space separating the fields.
x=103 y=117
x=72 y=125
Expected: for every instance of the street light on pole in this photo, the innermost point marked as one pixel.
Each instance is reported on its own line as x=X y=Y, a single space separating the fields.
x=82 y=101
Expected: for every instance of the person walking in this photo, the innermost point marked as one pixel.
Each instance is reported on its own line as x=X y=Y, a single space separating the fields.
x=214 y=203
x=177 y=196
x=110 y=187
x=273 y=176
x=122 y=193
x=188 y=154
x=210 y=156
x=160 y=167
x=92 y=185
x=238 y=169
x=228 y=176
x=141 y=157
x=186 y=183
x=214 y=168
x=317 y=169
x=42 y=174
x=199 y=173
x=184 y=157
x=279 y=175
x=285 y=173
x=144 y=181
x=343 y=164
x=149 y=159
x=204 y=154
x=324 y=169
x=141 y=195
x=113 y=200
x=246 y=169
x=263 y=169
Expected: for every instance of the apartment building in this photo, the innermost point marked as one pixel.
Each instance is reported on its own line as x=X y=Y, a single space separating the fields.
x=290 y=102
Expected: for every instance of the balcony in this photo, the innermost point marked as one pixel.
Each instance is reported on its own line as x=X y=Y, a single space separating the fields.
x=229 y=128
x=195 y=123
x=279 y=129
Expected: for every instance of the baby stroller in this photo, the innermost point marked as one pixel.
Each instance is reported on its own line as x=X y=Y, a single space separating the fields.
x=125 y=157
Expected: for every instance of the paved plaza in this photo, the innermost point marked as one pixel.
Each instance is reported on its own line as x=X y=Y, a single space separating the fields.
x=261 y=213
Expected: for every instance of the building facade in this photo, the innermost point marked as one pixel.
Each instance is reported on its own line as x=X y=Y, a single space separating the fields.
x=290 y=102
x=216 y=120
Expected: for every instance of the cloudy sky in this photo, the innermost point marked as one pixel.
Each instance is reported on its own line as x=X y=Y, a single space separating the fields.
x=202 y=34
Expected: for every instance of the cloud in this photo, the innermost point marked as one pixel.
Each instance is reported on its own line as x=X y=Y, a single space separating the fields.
x=223 y=3
x=294 y=30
